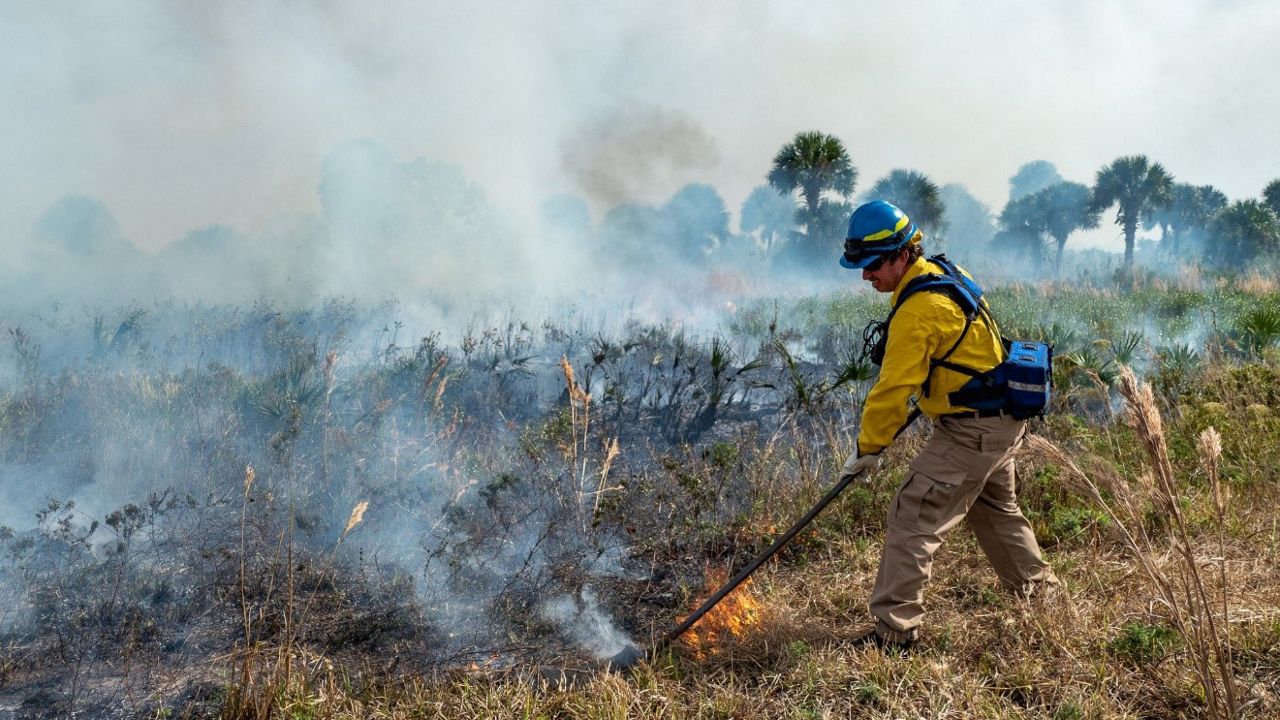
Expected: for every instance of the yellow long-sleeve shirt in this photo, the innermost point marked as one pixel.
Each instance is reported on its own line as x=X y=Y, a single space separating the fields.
x=924 y=328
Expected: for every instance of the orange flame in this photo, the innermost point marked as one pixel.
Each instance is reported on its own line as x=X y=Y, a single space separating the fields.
x=733 y=617
x=484 y=665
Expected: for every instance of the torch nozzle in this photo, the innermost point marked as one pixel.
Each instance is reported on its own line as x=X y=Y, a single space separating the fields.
x=626 y=658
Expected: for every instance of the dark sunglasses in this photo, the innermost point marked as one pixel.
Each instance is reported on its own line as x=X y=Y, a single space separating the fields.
x=878 y=263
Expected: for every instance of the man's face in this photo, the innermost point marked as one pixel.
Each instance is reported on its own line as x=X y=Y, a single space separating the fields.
x=888 y=274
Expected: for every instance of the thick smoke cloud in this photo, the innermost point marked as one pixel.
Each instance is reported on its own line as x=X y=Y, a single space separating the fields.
x=414 y=230
x=628 y=152
x=178 y=117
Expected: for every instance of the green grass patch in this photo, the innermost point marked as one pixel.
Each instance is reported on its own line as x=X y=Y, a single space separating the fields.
x=1142 y=643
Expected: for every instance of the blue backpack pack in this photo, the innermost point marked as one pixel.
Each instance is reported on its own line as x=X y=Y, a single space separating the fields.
x=1021 y=384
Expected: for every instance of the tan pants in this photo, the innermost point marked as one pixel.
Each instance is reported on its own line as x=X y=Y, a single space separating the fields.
x=965 y=470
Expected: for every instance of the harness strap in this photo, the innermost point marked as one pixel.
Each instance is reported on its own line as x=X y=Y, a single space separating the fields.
x=975 y=395
x=942 y=361
x=958 y=368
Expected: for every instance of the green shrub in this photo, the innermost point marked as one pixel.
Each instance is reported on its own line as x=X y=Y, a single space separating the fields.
x=1065 y=523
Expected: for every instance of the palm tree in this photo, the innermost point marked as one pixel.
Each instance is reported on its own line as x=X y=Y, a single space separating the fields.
x=916 y=194
x=1031 y=178
x=1138 y=187
x=1271 y=193
x=1243 y=231
x=772 y=214
x=970 y=223
x=1189 y=213
x=696 y=221
x=1054 y=212
x=831 y=221
x=625 y=236
x=1008 y=244
x=813 y=163
x=1065 y=208
x=1022 y=229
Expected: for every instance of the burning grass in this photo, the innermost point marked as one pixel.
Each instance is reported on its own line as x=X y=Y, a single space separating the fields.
x=731 y=620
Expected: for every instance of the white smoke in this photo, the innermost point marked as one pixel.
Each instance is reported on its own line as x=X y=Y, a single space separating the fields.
x=587 y=624
x=178 y=116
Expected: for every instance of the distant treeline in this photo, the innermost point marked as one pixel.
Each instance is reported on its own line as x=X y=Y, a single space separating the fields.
x=424 y=230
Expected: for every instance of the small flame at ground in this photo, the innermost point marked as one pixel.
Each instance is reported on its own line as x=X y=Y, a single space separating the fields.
x=733 y=617
x=487 y=664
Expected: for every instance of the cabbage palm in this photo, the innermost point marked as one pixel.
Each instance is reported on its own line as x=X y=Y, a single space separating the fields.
x=696 y=221
x=1189 y=213
x=1243 y=231
x=1031 y=178
x=1055 y=211
x=1271 y=194
x=1065 y=208
x=916 y=194
x=1137 y=187
x=969 y=220
x=1201 y=208
x=1022 y=230
x=772 y=214
x=813 y=163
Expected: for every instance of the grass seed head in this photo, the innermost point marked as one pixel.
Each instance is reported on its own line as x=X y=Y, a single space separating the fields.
x=357 y=514
x=1210 y=443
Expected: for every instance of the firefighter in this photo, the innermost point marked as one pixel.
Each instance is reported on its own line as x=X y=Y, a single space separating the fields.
x=966 y=470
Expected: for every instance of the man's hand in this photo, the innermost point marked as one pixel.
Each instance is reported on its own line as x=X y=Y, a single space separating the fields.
x=864 y=466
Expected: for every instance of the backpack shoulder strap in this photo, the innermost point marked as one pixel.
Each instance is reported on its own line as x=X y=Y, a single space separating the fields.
x=971 y=289
x=969 y=296
x=963 y=291
x=951 y=282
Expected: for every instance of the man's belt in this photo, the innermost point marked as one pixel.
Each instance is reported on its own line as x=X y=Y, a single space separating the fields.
x=975 y=414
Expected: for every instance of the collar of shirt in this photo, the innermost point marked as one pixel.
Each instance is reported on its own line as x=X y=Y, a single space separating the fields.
x=914 y=270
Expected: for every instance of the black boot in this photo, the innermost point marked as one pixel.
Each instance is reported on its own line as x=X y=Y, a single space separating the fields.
x=871 y=638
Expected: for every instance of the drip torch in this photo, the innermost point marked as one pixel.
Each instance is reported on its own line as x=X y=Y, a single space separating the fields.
x=632 y=654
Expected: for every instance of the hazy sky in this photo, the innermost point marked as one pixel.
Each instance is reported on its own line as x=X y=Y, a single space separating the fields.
x=181 y=114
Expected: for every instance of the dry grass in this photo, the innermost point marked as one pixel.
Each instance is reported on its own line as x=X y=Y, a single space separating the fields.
x=1098 y=648
x=1256 y=283
x=1190 y=587
x=357 y=514
x=1175 y=558
x=988 y=656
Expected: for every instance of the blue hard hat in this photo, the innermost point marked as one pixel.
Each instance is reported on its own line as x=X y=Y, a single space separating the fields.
x=876 y=228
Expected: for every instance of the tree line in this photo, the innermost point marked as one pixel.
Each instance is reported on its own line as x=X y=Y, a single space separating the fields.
x=1043 y=209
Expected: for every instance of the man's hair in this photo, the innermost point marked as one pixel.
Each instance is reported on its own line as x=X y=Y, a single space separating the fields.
x=915 y=251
